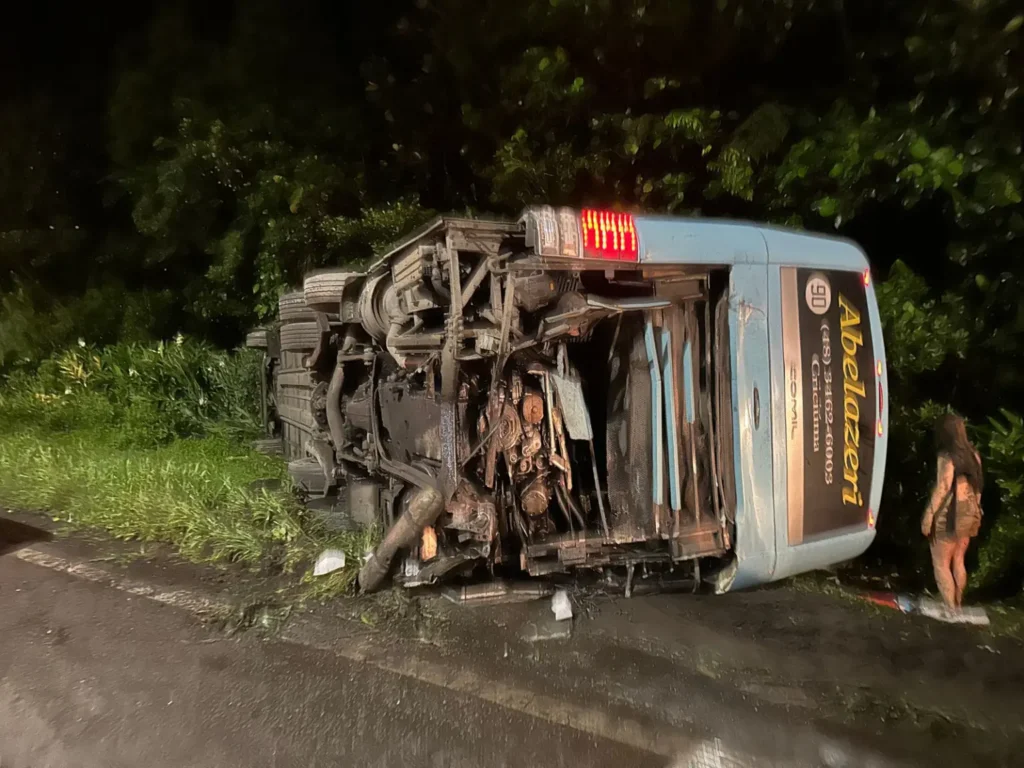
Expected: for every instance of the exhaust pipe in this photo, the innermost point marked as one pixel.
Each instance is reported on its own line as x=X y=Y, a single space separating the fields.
x=335 y=421
x=421 y=507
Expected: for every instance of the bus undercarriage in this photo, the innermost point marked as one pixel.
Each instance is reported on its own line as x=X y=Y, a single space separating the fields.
x=496 y=410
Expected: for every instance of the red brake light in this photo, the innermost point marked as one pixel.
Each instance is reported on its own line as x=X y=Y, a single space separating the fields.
x=866 y=278
x=609 y=235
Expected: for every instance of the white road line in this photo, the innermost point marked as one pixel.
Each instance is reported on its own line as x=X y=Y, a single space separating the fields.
x=365 y=649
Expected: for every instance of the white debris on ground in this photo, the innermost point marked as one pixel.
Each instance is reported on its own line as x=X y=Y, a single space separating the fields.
x=561 y=606
x=328 y=561
x=933 y=609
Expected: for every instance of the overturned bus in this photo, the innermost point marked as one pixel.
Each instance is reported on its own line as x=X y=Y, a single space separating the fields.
x=592 y=390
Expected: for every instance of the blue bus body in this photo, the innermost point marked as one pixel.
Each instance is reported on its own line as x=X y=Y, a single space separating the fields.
x=758 y=258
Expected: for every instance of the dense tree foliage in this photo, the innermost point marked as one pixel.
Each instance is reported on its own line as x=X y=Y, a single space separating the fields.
x=218 y=152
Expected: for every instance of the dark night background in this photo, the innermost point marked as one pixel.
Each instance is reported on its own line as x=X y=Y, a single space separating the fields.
x=172 y=167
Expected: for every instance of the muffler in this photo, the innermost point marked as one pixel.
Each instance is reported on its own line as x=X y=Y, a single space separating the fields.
x=421 y=507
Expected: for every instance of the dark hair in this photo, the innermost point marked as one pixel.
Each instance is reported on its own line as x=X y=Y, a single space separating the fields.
x=951 y=439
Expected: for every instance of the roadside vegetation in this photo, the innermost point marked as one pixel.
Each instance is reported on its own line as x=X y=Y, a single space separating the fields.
x=149 y=442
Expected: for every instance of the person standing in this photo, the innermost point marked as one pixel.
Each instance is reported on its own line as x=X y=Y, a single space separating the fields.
x=953 y=515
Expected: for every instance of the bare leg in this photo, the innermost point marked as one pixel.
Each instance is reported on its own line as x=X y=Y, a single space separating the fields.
x=943 y=550
x=959 y=569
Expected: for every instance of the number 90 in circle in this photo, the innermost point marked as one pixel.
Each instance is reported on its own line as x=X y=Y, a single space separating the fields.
x=818 y=294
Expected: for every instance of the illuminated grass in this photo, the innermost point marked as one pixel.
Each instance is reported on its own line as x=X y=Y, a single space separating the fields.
x=199 y=495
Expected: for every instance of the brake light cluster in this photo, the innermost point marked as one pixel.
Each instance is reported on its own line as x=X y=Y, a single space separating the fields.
x=587 y=234
x=609 y=235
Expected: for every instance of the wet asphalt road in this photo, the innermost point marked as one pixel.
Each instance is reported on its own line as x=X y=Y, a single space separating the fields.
x=90 y=676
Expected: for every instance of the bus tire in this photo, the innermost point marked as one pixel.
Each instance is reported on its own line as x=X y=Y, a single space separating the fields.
x=323 y=290
x=299 y=337
x=291 y=308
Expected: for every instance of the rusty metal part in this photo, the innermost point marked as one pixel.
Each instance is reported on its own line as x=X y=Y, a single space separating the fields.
x=533 y=407
x=421 y=507
x=531 y=443
x=509 y=428
x=515 y=387
x=483 y=441
x=498 y=592
x=559 y=463
x=536 y=496
x=473 y=511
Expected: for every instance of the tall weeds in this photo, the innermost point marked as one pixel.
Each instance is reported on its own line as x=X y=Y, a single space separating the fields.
x=148 y=442
x=147 y=394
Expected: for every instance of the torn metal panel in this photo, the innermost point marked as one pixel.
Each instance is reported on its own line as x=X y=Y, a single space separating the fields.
x=576 y=416
x=671 y=419
x=628 y=430
x=657 y=418
x=632 y=304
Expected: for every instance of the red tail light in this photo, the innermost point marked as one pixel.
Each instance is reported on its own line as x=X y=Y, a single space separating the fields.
x=866 y=278
x=609 y=235
x=871 y=518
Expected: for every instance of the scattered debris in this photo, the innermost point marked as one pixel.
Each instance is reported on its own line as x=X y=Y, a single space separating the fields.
x=561 y=606
x=933 y=609
x=546 y=629
x=328 y=561
x=497 y=592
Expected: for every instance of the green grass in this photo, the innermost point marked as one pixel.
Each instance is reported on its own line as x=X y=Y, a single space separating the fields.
x=195 y=494
x=146 y=442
